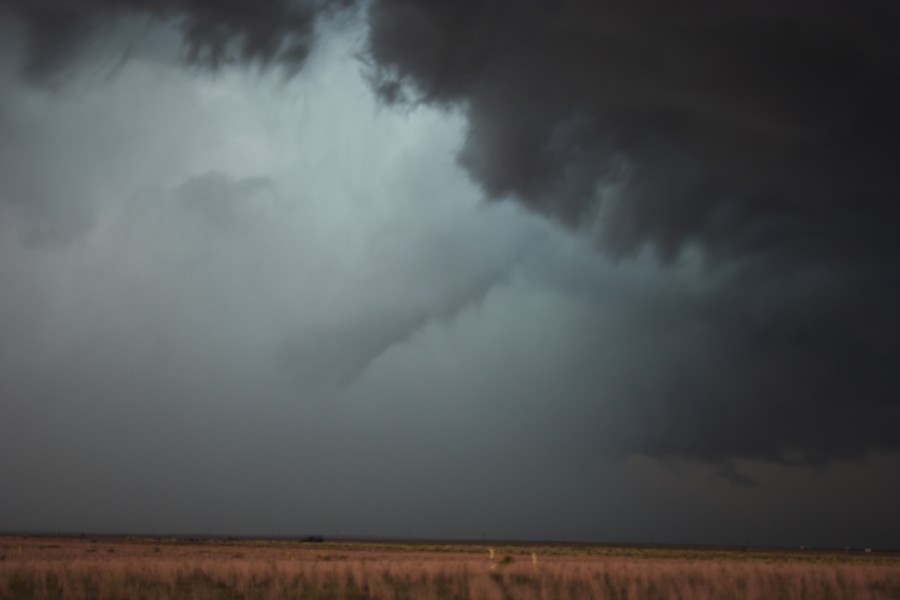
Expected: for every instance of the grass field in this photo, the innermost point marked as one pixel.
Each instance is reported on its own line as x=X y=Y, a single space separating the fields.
x=156 y=568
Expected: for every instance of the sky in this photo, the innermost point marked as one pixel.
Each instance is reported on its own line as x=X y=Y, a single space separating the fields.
x=501 y=269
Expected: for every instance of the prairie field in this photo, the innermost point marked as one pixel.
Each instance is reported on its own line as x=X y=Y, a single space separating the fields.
x=157 y=568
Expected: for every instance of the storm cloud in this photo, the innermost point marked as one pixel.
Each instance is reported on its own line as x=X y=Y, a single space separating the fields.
x=645 y=244
x=761 y=135
x=215 y=33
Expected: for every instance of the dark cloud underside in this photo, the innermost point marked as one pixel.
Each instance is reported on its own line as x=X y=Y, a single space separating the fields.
x=731 y=125
x=215 y=33
x=762 y=136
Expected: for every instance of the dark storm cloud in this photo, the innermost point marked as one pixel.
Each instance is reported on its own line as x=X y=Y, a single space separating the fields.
x=763 y=135
x=794 y=368
x=215 y=33
x=727 y=124
x=760 y=135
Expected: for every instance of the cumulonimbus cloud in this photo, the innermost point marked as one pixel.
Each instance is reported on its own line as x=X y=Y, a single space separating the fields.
x=762 y=134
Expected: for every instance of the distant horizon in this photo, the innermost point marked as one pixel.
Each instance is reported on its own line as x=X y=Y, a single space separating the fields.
x=450 y=541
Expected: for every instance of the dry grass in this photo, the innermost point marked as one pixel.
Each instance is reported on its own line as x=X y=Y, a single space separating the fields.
x=157 y=569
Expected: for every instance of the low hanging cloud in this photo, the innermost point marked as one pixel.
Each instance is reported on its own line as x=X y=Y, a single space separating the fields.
x=734 y=126
x=759 y=137
x=278 y=32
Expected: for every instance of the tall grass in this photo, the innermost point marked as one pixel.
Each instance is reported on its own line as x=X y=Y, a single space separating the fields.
x=325 y=575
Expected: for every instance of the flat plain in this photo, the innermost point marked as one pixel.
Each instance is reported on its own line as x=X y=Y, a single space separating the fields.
x=157 y=568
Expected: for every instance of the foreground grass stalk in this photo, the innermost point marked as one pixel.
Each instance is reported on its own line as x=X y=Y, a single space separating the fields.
x=144 y=571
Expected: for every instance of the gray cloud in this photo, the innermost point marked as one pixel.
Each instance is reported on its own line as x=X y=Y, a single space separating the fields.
x=334 y=354
x=718 y=122
x=225 y=204
x=261 y=291
x=760 y=135
x=215 y=33
x=792 y=369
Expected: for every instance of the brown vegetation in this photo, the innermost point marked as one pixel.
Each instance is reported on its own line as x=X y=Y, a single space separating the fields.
x=106 y=568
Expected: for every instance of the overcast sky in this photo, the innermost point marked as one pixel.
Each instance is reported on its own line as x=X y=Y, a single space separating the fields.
x=510 y=269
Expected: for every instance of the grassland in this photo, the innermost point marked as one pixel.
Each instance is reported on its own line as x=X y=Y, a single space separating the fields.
x=157 y=568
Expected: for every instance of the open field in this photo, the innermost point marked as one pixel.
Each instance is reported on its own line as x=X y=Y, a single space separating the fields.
x=156 y=568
